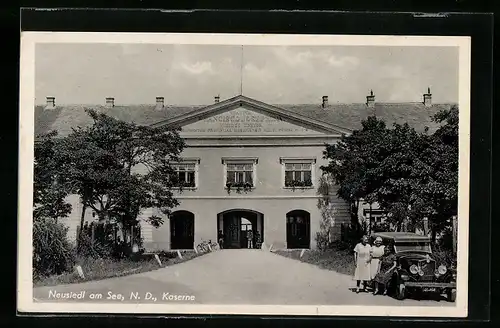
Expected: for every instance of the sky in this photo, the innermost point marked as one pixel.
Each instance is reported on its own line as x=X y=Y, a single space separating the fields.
x=194 y=74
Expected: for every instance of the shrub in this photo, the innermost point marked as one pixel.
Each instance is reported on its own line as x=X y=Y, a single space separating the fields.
x=352 y=233
x=444 y=256
x=52 y=252
x=322 y=241
x=92 y=249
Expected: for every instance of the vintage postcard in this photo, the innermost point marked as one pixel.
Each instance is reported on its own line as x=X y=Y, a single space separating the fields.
x=244 y=174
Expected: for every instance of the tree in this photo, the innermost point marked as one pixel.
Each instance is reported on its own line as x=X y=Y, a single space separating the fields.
x=402 y=173
x=440 y=189
x=49 y=186
x=410 y=175
x=353 y=161
x=104 y=161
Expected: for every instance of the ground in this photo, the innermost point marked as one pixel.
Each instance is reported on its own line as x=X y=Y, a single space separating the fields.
x=236 y=277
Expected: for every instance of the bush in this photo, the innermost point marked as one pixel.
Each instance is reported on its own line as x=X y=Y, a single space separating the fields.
x=94 y=250
x=322 y=241
x=444 y=256
x=52 y=252
x=352 y=233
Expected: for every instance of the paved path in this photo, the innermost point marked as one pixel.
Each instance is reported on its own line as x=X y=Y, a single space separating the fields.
x=236 y=277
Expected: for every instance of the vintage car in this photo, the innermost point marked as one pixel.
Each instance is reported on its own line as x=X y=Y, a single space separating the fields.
x=417 y=269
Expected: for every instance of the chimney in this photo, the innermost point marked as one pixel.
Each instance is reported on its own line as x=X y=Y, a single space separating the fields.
x=217 y=98
x=51 y=103
x=370 y=100
x=110 y=102
x=160 y=103
x=325 y=102
x=428 y=98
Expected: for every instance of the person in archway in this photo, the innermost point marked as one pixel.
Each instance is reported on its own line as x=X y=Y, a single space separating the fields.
x=250 y=238
x=258 y=241
x=362 y=260
x=220 y=239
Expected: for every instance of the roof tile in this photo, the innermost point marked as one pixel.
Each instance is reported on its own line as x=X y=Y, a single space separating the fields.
x=64 y=118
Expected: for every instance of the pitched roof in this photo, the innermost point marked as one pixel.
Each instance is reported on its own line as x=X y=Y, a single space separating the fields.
x=349 y=116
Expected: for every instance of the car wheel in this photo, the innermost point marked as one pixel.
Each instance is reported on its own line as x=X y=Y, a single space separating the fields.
x=400 y=291
x=451 y=295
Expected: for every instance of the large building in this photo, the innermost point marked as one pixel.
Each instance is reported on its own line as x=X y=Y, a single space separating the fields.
x=268 y=155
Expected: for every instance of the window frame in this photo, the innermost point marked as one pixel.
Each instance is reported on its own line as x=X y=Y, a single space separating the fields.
x=298 y=160
x=196 y=162
x=240 y=161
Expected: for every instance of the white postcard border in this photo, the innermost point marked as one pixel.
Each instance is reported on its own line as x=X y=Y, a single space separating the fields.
x=26 y=142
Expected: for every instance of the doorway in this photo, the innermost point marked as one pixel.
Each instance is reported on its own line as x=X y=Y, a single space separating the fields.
x=298 y=229
x=182 y=230
x=241 y=228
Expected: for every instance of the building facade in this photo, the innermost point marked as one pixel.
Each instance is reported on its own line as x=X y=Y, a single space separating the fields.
x=248 y=166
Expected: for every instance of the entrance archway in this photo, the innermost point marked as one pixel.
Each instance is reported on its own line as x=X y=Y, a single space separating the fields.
x=182 y=230
x=298 y=229
x=241 y=228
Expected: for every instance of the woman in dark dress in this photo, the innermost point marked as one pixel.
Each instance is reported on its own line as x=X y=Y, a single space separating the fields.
x=387 y=265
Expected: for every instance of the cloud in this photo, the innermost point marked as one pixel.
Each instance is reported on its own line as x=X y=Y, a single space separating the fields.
x=251 y=71
x=342 y=61
x=309 y=58
x=198 y=67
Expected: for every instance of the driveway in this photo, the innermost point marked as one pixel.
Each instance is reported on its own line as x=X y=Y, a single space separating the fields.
x=232 y=277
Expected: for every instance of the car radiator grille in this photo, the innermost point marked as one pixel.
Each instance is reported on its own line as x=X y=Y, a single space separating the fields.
x=428 y=269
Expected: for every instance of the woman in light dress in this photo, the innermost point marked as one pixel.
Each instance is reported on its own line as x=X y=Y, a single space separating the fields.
x=376 y=253
x=362 y=259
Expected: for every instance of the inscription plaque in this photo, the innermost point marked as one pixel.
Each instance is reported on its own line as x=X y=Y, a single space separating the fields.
x=242 y=121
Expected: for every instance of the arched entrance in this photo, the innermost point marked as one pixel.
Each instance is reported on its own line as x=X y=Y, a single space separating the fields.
x=182 y=230
x=298 y=229
x=241 y=228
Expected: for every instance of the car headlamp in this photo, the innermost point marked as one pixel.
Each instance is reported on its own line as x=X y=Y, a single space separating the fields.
x=442 y=269
x=413 y=269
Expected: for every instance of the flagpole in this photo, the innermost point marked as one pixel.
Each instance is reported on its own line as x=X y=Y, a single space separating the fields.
x=241 y=72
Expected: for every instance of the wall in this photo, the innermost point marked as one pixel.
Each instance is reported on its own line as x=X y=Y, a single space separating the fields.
x=206 y=212
x=269 y=175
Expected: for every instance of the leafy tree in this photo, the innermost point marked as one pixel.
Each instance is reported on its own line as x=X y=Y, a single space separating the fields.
x=439 y=190
x=101 y=161
x=353 y=162
x=402 y=172
x=49 y=186
x=410 y=175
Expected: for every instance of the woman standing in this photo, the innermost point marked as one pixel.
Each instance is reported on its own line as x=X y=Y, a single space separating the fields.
x=387 y=264
x=377 y=252
x=362 y=260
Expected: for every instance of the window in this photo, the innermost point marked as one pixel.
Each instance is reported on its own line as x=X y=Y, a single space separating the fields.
x=298 y=173
x=187 y=173
x=239 y=172
x=375 y=215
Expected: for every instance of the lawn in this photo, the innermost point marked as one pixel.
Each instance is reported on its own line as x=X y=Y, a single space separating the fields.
x=341 y=261
x=102 y=268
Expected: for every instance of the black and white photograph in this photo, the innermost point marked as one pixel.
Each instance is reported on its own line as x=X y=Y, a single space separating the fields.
x=244 y=174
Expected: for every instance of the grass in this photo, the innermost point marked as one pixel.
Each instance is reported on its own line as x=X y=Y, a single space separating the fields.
x=102 y=268
x=341 y=261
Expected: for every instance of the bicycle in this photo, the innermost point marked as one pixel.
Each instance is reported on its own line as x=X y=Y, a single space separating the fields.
x=203 y=247
x=213 y=245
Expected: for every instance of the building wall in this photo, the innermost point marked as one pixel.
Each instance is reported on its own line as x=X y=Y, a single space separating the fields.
x=211 y=198
x=269 y=175
x=269 y=196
